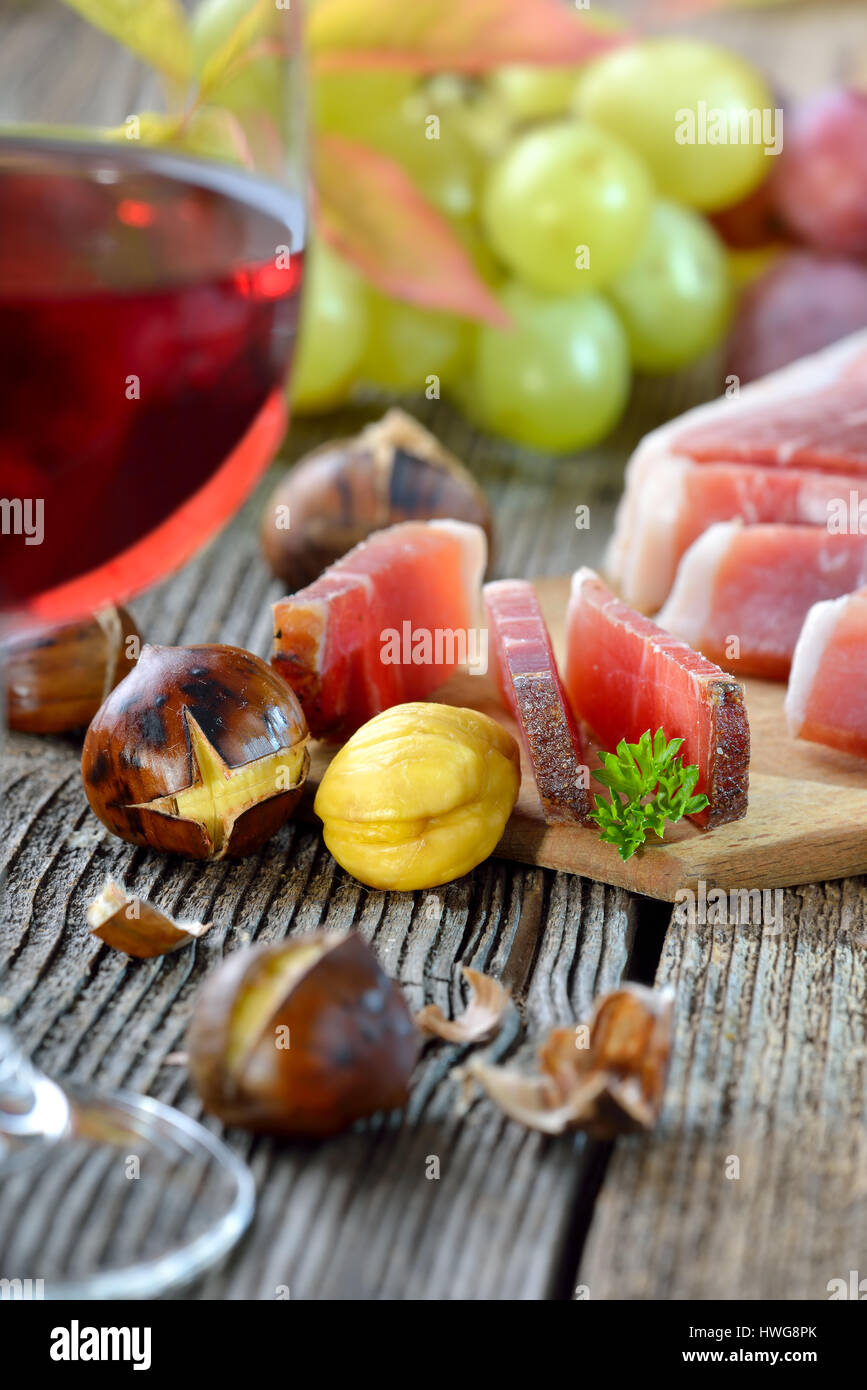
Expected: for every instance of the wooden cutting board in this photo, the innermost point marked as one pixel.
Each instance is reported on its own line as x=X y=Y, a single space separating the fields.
x=807 y=819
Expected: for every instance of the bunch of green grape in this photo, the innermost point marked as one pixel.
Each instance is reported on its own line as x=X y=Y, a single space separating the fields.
x=580 y=209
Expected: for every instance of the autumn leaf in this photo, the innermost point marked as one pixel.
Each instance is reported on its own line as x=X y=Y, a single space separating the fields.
x=253 y=37
x=147 y=128
x=157 y=31
x=212 y=132
x=371 y=212
x=458 y=35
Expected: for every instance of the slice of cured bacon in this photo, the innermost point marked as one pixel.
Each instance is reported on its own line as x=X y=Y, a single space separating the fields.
x=625 y=675
x=385 y=625
x=742 y=592
x=810 y=417
x=827 y=697
x=681 y=499
x=531 y=688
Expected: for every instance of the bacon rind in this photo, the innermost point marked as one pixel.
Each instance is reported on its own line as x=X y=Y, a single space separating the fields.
x=729 y=785
x=538 y=701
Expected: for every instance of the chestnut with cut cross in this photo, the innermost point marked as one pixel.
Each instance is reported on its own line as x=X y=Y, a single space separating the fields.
x=201 y=751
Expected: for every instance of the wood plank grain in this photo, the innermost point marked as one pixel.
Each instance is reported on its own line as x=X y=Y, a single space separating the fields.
x=768 y=1081
x=769 y=1030
x=359 y=1217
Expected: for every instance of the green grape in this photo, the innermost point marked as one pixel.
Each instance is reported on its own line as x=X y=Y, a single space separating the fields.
x=354 y=103
x=435 y=151
x=474 y=110
x=558 y=379
x=640 y=94
x=260 y=85
x=333 y=332
x=488 y=124
x=533 y=93
x=674 y=298
x=406 y=345
x=566 y=206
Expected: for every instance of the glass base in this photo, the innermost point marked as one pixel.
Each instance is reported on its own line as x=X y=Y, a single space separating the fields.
x=138 y=1200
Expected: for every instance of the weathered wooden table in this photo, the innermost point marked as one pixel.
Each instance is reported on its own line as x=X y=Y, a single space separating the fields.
x=770 y=1042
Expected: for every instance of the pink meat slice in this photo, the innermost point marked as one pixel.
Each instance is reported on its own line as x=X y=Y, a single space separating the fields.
x=826 y=429
x=742 y=592
x=331 y=639
x=625 y=675
x=804 y=417
x=530 y=686
x=826 y=701
x=682 y=499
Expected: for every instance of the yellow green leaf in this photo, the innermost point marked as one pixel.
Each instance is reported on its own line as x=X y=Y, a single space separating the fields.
x=212 y=132
x=147 y=127
x=255 y=35
x=155 y=30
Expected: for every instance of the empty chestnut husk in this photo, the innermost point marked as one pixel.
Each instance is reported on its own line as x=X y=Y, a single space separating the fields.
x=394 y=470
x=200 y=750
x=57 y=680
x=302 y=1037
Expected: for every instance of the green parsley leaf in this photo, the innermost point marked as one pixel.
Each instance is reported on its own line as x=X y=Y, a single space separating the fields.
x=649 y=787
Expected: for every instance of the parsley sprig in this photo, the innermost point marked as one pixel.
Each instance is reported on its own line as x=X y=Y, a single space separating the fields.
x=649 y=785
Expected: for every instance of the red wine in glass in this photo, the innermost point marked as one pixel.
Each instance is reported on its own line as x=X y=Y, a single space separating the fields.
x=148 y=311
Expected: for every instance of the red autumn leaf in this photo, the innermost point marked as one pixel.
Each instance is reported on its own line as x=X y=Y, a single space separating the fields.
x=371 y=212
x=459 y=35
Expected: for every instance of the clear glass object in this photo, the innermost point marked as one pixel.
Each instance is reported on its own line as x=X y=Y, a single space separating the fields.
x=152 y=236
x=108 y=1196
x=152 y=232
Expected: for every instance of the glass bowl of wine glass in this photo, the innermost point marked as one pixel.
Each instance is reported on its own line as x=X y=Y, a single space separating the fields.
x=152 y=233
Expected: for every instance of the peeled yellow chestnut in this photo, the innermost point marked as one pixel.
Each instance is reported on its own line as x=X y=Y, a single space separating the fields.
x=57 y=680
x=302 y=1037
x=200 y=750
x=394 y=470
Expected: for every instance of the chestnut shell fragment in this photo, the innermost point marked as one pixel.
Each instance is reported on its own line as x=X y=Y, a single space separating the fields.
x=352 y=1045
x=139 y=748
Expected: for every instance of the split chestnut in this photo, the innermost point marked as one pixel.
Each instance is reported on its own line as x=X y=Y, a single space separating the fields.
x=200 y=750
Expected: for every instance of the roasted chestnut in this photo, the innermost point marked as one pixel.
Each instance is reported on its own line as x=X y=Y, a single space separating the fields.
x=302 y=1037
x=199 y=750
x=57 y=680
x=394 y=470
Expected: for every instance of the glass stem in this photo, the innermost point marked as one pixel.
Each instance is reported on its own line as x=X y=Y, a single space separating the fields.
x=34 y=1111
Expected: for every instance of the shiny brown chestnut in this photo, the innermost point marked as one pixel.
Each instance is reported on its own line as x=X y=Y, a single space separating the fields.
x=57 y=680
x=302 y=1037
x=200 y=750
x=394 y=470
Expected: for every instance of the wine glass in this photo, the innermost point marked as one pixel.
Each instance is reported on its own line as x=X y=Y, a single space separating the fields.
x=152 y=230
